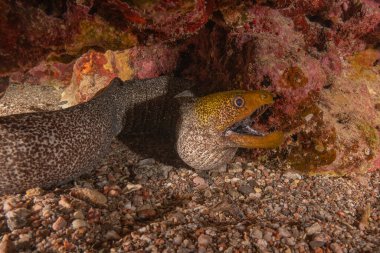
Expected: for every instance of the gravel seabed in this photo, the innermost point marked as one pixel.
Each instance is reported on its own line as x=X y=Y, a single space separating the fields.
x=137 y=203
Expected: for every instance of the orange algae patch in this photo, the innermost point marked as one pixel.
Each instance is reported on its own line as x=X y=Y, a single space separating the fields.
x=93 y=72
x=362 y=65
x=100 y=35
x=293 y=77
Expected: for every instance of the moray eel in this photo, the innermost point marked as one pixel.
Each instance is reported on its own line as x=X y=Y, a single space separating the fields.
x=212 y=128
x=44 y=149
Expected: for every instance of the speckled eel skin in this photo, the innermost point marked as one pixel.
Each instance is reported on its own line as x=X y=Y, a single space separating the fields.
x=49 y=148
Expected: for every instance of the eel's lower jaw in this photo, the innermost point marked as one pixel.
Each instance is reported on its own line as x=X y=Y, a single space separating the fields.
x=270 y=140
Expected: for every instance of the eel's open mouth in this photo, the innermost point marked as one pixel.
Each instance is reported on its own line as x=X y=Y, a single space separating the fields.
x=245 y=126
x=241 y=134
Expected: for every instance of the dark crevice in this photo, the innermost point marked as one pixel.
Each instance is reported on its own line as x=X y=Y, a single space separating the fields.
x=320 y=20
x=354 y=9
x=266 y=82
x=328 y=86
x=55 y=8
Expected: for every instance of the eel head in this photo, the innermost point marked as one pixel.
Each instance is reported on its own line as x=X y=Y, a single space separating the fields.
x=214 y=126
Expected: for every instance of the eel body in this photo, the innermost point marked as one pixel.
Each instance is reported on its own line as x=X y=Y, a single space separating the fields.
x=50 y=148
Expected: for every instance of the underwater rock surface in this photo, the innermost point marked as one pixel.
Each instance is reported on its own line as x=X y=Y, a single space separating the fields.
x=320 y=58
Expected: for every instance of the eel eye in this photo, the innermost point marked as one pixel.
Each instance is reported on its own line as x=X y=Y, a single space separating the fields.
x=238 y=102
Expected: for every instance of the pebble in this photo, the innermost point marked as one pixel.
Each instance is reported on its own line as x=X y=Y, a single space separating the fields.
x=78 y=215
x=146 y=214
x=131 y=188
x=23 y=242
x=204 y=240
x=112 y=191
x=178 y=239
x=313 y=229
x=319 y=240
x=64 y=202
x=10 y=204
x=165 y=170
x=146 y=162
x=91 y=195
x=268 y=236
x=262 y=244
x=235 y=180
x=59 y=224
x=233 y=193
x=256 y=233
x=6 y=245
x=46 y=212
x=245 y=189
x=283 y=232
x=112 y=235
x=292 y=175
x=322 y=238
x=34 y=192
x=17 y=218
x=78 y=223
x=222 y=168
x=200 y=182
x=255 y=195
x=336 y=248
x=37 y=207
x=208 y=193
x=290 y=241
x=235 y=168
x=177 y=217
x=316 y=244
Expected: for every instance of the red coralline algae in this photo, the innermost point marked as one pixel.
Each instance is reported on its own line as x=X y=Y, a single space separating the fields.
x=153 y=61
x=258 y=57
x=51 y=73
x=332 y=23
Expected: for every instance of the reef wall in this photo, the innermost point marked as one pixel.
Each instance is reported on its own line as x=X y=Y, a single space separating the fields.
x=320 y=58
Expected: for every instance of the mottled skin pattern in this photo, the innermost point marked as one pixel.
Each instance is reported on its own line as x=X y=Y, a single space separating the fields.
x=49 y=148
x=203 y=138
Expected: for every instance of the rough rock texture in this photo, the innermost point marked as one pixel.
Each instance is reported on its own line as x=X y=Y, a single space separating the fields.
x=320 y=58
x=62 y=30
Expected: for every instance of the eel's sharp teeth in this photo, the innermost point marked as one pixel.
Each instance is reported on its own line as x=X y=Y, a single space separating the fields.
x=259 y=111
x=228 y=132
x=253 y=131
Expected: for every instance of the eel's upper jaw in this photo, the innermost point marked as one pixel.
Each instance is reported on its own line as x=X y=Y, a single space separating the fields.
x=241 y=134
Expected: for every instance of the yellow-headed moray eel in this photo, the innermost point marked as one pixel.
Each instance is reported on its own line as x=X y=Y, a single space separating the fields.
x=50 y=148
x=212 y=128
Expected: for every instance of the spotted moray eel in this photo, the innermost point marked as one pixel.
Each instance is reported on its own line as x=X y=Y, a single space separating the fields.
x=50 y=148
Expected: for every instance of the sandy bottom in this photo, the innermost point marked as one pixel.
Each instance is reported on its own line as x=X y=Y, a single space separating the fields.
x=139 y=202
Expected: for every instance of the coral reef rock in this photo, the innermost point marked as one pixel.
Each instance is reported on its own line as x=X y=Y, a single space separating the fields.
x=320 y=58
